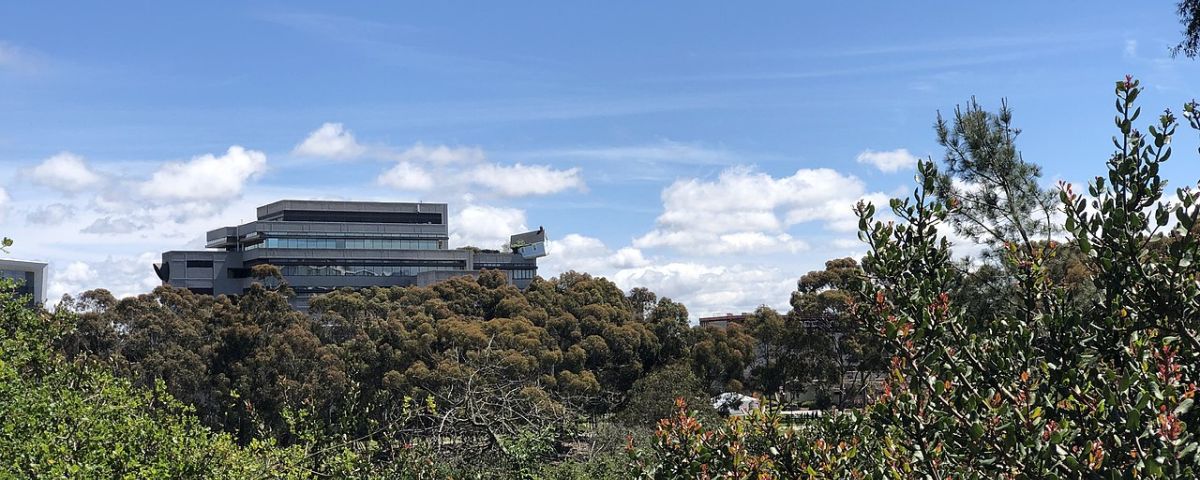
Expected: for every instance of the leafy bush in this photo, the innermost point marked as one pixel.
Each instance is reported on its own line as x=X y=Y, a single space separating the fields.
x=653 y=396
x=1055 y=387
x=759 y=445
x=77 y=421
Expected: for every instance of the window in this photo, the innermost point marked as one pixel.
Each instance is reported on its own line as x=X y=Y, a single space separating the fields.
x=23 y=279
x=366 y=217
x=523 y=274
x=347 y=243
x=361 y=270
x=199 y=264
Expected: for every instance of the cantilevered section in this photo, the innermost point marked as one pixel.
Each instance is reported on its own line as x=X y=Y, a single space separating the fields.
x=29 y=276
x=529 y=244
x=320 y=246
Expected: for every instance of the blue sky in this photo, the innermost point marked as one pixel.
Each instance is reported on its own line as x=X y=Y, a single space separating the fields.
x=709 y=151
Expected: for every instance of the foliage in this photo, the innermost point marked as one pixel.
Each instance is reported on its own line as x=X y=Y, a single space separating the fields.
x=462 y=371
x=994 y=191
x=720 y=357
x=653 y=397
x=668 y=320
x=1055 y=388
x=817 y=347
x=760 y=446
x=75 y=420
x=1189 y=16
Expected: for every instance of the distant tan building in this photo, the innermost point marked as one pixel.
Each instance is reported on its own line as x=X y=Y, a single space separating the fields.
x=723 y=321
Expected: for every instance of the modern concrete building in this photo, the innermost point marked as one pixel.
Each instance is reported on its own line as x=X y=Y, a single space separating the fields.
x=30 y=277
x=320 y=246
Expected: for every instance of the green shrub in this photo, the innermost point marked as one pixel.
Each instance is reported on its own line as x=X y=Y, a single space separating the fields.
x=653 y=397
x=61 y=420
x=1054 y=386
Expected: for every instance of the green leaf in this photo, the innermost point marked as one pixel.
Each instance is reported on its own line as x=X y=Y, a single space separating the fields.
x=1184 y=406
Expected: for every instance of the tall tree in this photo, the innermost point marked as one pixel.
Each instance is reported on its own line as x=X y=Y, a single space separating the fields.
x=669 y=322
x=996 y=190
x=720 y=357
x=997 y=202
x=817 y=347
x=821 y=303
x=643 y=301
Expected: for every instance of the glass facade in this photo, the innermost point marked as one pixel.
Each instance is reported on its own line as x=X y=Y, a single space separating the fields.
x=361 y=270
x=346 y=244
x=23 y=280
x=514 y=270
x=522 y=274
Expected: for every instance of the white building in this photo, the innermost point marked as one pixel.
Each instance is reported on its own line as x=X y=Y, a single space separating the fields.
x=30 y=277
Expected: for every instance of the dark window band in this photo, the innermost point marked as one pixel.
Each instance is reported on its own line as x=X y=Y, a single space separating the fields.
x=360 y=217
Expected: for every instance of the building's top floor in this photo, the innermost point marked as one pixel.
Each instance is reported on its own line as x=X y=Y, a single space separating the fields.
x=723 y=321
x=313 y=223
x=412 y=213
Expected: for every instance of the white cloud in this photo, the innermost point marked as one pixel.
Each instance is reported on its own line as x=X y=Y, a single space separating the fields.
x=713 y=289
x=1131 y=47
x=463 y=169
x=749 y=211
x=522 y=180
x=457 y=169
x=705 y=288
x=841 y=214
x=206 y=177
x=485 y=226
x=4 y=200
x=628 y=257
x=53 y=214
x=888 y=161
x=406 y=176
x=664 y=151
x=852 y=244
x=441 y=154
x=587 y=254
x=331 y=140
x=123 y=275
x=708 y=243
x=65 y=171
x=76 y=272
x=112 y=225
